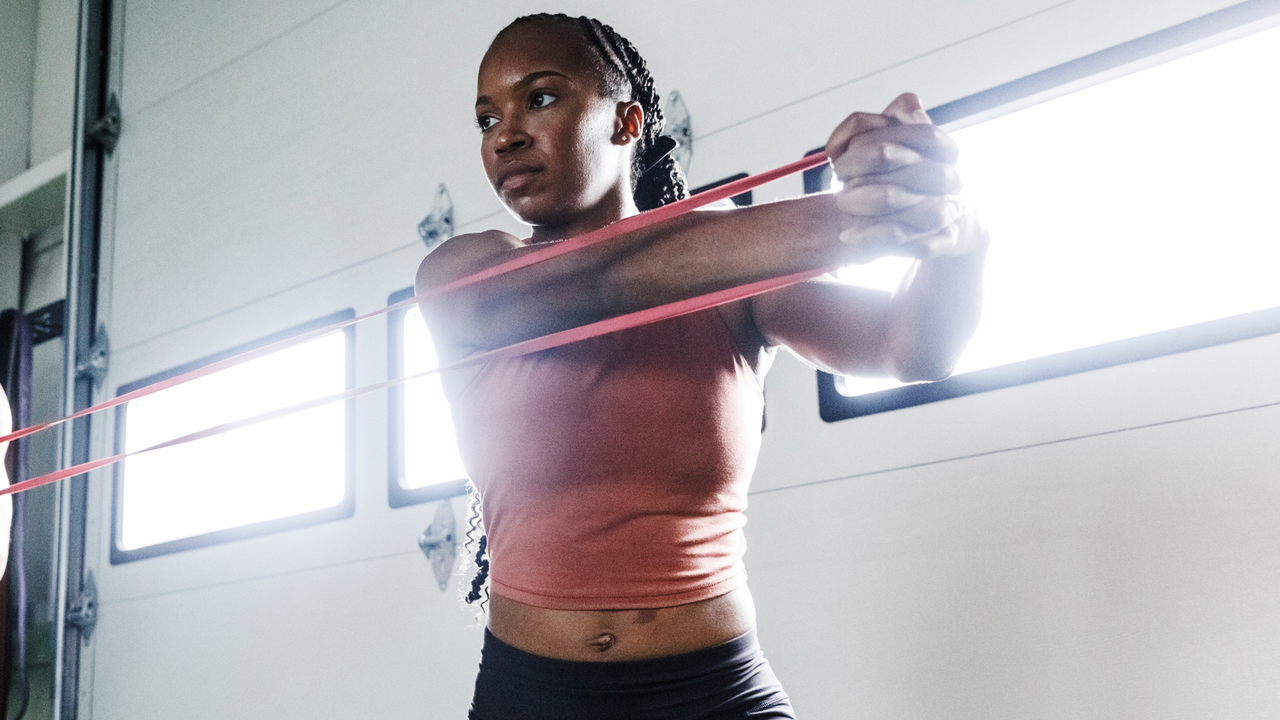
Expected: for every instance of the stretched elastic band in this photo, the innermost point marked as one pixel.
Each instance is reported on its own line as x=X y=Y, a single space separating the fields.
x=564 y=337
x=635 y=222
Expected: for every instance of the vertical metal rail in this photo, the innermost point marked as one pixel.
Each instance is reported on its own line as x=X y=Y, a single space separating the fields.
x=84 y=203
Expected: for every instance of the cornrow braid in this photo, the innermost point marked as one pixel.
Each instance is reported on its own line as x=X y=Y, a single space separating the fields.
x=478 y=583
x=476 y=538
x=656 y=177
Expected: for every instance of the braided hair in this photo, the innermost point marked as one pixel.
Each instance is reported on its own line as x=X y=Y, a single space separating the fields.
x=656 y=177
x=476 y=540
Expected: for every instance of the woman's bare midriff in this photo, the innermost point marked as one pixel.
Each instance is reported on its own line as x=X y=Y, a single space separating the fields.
x=613 y=635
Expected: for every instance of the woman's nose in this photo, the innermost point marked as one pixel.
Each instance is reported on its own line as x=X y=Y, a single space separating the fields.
x=512 y=134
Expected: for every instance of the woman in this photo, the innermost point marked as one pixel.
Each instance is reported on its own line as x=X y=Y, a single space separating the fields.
x=613 y=471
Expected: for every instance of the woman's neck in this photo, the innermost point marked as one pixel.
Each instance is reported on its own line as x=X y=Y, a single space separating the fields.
x=609 y=210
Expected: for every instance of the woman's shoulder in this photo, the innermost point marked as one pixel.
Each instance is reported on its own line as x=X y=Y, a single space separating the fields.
x=463 y=255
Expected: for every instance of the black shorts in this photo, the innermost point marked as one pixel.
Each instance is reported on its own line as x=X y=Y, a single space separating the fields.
x=732 y=681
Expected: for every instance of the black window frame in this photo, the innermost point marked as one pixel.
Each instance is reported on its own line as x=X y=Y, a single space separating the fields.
x=397 y=494
x=741 y=199
x=834 y=406
x=343 y=510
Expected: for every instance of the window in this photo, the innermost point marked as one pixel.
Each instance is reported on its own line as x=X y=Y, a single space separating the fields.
x=1129 y=220
x=423 y=452
x=280 y=474
x=741 y=200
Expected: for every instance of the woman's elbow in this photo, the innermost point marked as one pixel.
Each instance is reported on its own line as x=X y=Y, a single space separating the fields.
x=923 y=372
x=911 y=365
x=928 y=350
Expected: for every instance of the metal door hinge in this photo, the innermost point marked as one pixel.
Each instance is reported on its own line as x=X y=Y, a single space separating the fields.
x=437 y=226
x=84 y=614
x=679 y=126
x=106 y=131
x=440 y=543
x=93 y=364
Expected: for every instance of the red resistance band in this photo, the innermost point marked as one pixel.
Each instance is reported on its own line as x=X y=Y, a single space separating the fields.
x=563 y=337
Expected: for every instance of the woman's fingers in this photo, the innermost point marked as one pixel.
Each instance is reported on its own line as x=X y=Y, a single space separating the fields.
x=869 y=238
x=900 y=181
x=971 y=236
x=962 y=237
x=875 y=201
x=925 y=178
x=870 y=204
x=907 y=108
x=871 y=151
x=852 y=126
x=863 y=159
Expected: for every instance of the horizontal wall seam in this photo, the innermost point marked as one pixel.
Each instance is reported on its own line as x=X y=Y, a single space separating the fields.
x=255 y=578
x=205 y=75
x=283 y=291
x=1001 y=451
x=886 y=68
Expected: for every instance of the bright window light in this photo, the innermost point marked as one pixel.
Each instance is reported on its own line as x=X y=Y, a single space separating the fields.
x=1141 y=204
x=430 y=450
x=275 y=469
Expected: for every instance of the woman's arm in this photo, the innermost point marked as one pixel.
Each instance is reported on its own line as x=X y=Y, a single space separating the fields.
x=919 y=331
x=691 y=255
x=896 y=201
x=915 y=333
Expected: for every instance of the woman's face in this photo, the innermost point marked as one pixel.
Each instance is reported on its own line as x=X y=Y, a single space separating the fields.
x=557 y=153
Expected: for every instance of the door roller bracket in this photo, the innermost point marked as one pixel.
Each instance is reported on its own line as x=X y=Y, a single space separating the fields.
x=439 y=542
x=84 y=614
x=94 y=363
x=106 y=131
x=437 y=226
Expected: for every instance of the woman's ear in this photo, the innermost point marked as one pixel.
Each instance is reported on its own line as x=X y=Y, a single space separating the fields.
x=630 y=123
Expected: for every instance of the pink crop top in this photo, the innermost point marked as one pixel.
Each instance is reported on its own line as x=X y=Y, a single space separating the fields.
x=614 y=471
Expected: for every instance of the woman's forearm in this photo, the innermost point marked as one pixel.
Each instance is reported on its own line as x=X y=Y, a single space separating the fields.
x=694 y=254
x=702 y=252
x=932 y=316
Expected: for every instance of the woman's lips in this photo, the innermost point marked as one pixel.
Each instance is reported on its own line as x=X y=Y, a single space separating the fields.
x=516 y=176
x=517 y=180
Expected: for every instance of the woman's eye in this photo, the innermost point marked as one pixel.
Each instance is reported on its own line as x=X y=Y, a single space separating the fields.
x=541 y=99
x=484 y=122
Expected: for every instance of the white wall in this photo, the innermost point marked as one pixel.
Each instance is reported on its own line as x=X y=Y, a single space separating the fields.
x=37 y=67
x=1092 y=546
x=53 y=89
x=17 y=57
x=10 y=270
x=1098 y=545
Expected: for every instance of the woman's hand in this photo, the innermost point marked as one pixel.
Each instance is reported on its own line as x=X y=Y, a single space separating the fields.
x=900 y=185
x=899 y=198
